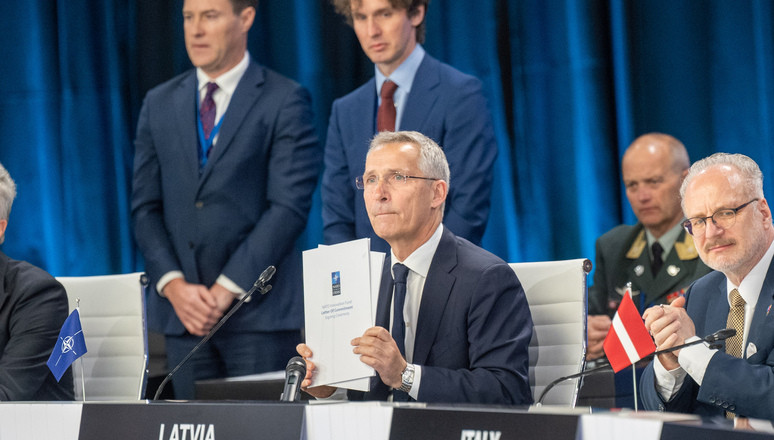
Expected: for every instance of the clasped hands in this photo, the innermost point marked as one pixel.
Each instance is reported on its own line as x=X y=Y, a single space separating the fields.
x=670 y=326
x=376 y=348
x=198 y=307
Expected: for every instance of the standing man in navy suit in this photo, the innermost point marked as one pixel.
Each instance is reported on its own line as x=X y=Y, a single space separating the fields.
x=226 y=161
x=427 y=96
x=462 y=333
x=730 y=221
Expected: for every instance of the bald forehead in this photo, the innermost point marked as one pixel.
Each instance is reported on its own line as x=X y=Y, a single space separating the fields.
x=660 y=147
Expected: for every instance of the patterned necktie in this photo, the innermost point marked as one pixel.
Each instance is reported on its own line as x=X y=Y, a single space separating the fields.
x=399 y=299
x=658 y=251
x=736 y=322
x=207 y=111
x=385 y=117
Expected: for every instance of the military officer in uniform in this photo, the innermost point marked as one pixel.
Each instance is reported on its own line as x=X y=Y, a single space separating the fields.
x=656 y=255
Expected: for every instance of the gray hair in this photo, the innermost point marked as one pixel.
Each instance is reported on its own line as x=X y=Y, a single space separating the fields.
x=749 y=170
x=7 y=194
x=432 y=160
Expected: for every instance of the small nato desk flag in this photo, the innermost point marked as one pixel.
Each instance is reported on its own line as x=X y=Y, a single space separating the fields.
x=628 y=340
x=70 y=346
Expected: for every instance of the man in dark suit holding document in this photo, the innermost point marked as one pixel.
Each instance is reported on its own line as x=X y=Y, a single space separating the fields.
x=463 y=332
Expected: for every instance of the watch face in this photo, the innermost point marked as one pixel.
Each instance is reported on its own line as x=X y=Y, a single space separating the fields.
x=408 y=376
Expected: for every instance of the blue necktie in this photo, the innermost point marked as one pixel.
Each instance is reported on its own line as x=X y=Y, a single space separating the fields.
x=400 y=273
x=398 y=324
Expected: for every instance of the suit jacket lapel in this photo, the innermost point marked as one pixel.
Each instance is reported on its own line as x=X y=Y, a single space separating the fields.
x=3 y=269
x=762 y=325
x=717 y=310
x=423 y=95
x=246 y=96
x=438 y=286
x=185 y=103
x=354 y=113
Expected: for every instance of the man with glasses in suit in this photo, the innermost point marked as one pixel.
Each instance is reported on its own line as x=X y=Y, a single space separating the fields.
x=730 y=221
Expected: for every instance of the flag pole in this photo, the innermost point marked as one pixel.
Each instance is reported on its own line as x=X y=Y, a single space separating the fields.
x=634 y=384
x=80 y=361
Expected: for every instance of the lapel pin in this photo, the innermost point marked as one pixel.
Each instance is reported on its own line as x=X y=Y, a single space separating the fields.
x=673 y=270
x=639 y=270
x=768 y=310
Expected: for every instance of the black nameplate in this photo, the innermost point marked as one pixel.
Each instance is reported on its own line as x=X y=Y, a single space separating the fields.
x=191 y=421
x=474 y=424
x=707 y=431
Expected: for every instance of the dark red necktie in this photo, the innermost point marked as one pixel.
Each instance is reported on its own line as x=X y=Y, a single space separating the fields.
x=207 y=110
x=385 y=117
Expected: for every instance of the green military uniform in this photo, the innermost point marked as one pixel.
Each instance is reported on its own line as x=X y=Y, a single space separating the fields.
x=622 y=256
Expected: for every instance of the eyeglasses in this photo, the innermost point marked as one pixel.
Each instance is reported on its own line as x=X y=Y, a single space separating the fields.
x=394 y=180
x=723 y=218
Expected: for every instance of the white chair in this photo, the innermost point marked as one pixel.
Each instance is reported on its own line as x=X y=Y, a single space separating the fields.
x=112 y=310
x=556 y=293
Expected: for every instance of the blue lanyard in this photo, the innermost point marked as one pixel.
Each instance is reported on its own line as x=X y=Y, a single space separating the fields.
x=205 y=144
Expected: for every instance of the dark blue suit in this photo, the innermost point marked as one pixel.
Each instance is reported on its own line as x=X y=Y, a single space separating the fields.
x=33 y=307
x=445 y=105
x=473 y=329
x=243 y=211
x=744 y=386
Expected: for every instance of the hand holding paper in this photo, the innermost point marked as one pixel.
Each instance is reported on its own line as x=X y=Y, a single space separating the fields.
x=320 y=392
x=378 y=350
x=341 y=283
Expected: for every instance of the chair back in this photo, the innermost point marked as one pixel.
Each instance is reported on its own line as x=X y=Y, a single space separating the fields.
x=556 y=293
x=112 y=310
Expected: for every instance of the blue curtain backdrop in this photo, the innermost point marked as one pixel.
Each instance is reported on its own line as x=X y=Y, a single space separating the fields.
x=570 y=84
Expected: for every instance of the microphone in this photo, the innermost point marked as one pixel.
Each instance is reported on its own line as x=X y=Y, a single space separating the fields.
x=712 y=339
x=294 y=374
x=259 y=285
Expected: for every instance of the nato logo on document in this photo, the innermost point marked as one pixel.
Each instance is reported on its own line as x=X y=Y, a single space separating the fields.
x=336 y=283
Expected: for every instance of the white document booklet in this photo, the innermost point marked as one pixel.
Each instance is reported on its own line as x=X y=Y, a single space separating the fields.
x=341 y=286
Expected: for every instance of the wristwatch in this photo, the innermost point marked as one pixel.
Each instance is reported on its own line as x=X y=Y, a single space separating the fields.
x=407 y=378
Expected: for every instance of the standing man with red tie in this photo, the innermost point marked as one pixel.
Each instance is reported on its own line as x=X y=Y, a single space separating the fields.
x=410 y=91
x=226 y=161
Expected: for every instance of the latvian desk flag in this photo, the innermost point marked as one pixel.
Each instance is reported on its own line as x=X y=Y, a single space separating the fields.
x=628 y=340
x=70 y=346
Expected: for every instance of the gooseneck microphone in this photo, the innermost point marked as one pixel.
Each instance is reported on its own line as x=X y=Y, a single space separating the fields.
x=259 y=285
x=712 y=340
x=295 y=372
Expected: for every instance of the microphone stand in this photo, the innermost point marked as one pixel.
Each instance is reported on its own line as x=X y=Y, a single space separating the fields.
x=259 y=285
x=712 y=339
